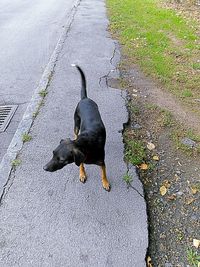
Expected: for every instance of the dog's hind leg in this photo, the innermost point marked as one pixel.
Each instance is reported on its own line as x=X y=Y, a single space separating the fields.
x=82 y=176
x=105 y=182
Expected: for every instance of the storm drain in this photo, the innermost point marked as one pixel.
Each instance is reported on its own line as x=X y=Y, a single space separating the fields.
x=6 y=114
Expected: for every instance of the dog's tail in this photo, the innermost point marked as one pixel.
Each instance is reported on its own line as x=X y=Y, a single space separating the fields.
x=83 y=82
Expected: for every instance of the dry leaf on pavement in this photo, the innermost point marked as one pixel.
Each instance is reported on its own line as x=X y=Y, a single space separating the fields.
x=163 y=190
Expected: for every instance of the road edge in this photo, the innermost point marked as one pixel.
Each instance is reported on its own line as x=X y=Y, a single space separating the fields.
x=25 y=124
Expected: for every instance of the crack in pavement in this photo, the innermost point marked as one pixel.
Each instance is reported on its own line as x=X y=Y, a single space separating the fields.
x=114 y=53
x=124 y=97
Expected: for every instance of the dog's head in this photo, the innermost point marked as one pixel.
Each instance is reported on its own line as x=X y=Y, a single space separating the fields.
x=64 y=154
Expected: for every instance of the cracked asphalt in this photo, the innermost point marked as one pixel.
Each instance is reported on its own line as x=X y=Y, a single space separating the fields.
x=51 y=219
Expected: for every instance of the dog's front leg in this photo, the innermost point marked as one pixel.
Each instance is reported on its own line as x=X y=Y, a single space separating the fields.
x=105 y=182
x=82 y=176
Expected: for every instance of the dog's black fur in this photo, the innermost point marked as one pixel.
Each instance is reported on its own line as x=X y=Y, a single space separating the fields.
x=88 y=147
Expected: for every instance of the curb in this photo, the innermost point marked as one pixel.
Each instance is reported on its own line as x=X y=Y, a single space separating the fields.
x=28 y=118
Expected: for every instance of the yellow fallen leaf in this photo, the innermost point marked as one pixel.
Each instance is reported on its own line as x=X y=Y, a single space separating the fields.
x=149 y=262
x=196 y=243
x=189 y=200
x=194 y=190
x=143 y=166
x=166 y=183
x=163 y=190
x=155 y=158
x=150 y=146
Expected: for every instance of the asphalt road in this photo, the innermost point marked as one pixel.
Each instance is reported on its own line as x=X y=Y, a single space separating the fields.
x=29 y=31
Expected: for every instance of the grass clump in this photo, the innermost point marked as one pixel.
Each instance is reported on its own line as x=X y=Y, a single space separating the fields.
x=127 y=178
x=26 y=137
x=43 y=93
x=135 y=152
x=193 y=258
x=16 y=162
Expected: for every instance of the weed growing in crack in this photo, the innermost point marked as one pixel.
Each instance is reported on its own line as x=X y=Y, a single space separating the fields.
x=127 y=178
x=135 y=152
x=43 y=93
x=16 y=162
x=26 y=137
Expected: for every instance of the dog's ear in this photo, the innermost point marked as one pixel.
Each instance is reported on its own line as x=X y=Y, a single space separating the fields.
x=78 y=156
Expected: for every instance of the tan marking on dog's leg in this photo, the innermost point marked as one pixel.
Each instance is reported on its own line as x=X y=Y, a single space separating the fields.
x=105 y=182
x=82 y=176
x=76 y=131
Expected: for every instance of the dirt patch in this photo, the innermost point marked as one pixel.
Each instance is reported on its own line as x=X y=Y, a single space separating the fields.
x=173 y=166
x=186 y=9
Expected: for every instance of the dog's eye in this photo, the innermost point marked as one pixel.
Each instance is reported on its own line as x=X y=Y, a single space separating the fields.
x=61 y=160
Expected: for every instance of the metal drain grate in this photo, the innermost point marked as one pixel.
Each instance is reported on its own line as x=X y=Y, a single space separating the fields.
x=6 y=114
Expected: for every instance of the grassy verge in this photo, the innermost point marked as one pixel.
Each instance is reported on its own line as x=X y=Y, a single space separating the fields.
x=163 y=44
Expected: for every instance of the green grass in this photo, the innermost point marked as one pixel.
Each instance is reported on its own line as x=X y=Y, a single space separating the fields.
x=193 y=258
x=43 y=93
x=187 y=93
x=196 y=66
x=161 y=42
x=135 y=152
x=16 y=162
x=26 y=137
x=127 y=178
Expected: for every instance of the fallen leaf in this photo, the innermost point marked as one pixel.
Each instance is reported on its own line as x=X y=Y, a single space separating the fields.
x=155 y=158
x=163 y=190
x=150 y=146
x=143 y=166
x=194 y=190
x=189 y=200
x=196 y=243
x=166 y=183
x=149 y=262
x=172 y=197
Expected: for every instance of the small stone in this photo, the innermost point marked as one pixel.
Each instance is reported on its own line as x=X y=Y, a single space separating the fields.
x=180 y=193
x=167 y=264
x=188 y=142
x=136 y=126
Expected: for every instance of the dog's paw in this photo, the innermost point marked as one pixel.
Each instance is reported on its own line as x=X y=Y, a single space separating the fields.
x=107 y=186
x=83 y=178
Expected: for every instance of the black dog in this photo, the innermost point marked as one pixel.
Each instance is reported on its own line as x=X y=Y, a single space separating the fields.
x=88 y=146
